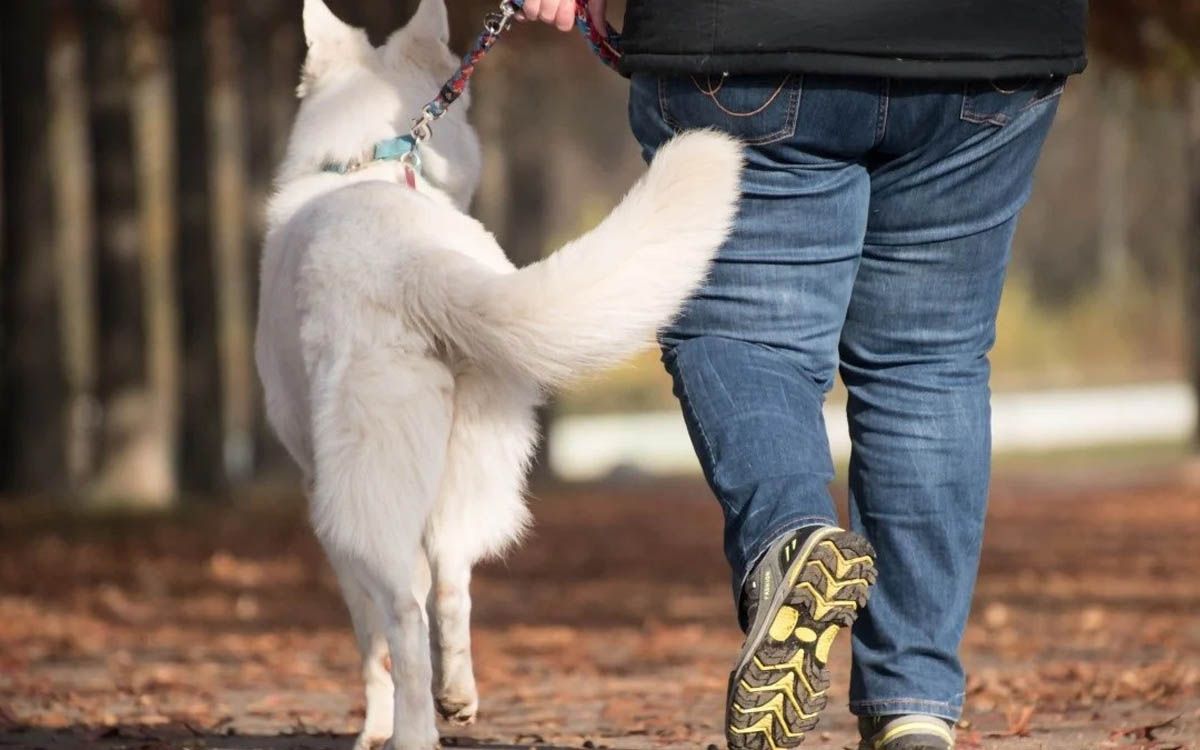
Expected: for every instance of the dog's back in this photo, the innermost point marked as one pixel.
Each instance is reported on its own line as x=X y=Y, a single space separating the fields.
x=333 y=287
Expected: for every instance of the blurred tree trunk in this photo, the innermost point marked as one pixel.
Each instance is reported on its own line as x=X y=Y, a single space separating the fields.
x=149 y=475
x=1120 y=90
x=3 y=239
x=1160 y=38
x=227 y=188
x=31 y=416
x=70 y=165
x=201 y=463
x=285 y=51
x=120 y=366
x=1192 y=252
x=272 y=50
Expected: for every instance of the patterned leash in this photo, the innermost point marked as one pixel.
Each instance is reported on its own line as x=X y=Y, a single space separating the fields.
x=604 y=40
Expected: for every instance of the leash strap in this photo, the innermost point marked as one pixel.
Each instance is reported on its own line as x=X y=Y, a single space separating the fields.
x=605 y=41
x=494 y=25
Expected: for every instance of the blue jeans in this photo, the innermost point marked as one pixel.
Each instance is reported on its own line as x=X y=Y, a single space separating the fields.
x=873 y=236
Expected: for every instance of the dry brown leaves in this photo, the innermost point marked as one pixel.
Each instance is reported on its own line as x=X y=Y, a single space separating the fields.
x=611 y=627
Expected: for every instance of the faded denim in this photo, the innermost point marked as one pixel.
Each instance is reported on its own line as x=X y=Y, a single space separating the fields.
x=872 y=239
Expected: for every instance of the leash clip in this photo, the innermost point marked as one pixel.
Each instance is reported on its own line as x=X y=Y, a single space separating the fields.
x=422 y=125
x=498 y=21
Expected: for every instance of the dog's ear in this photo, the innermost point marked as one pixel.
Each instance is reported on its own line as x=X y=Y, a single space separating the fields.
x=331 y=42
x=429 y=27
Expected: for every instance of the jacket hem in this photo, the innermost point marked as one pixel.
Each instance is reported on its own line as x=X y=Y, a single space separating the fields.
x=756 y=63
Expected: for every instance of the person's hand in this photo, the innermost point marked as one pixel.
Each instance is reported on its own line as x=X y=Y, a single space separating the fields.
x=560 y=13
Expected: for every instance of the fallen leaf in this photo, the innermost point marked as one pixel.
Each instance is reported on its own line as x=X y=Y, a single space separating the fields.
x=1144 y=731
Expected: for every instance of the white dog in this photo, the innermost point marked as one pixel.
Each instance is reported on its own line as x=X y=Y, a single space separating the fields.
x=402 y=355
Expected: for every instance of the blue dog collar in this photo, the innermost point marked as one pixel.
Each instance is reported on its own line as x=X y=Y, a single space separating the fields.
x=401 y=148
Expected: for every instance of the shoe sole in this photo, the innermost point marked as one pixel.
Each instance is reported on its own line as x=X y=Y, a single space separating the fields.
x=779 y=689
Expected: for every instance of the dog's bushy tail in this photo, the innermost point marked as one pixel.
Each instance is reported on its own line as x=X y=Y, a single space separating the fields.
x=602 y=296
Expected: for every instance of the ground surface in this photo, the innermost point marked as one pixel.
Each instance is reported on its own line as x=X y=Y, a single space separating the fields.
x=221 y=628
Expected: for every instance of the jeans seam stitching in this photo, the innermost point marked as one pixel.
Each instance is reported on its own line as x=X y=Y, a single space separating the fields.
x=953 y=703
x=662 y=105
x=884 y=104
x=686 y=403
x=968 y=113
x=791 y=123
x=1057 y=91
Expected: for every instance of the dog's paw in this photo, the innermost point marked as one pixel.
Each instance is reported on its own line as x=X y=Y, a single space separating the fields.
x=458 y=712
x=396 y=743
x=368 y=741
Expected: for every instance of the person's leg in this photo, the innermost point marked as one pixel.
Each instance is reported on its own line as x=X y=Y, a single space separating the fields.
x=947 y=182
x=753 y=356
x=755 y=351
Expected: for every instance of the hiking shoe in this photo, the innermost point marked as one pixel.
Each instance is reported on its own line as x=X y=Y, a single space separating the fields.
x=907 y=732
x=807 y=587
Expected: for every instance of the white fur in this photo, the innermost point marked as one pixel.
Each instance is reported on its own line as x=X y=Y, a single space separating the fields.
x=402 y=355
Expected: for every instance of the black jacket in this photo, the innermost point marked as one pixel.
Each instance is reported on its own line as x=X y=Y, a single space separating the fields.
x=888 y=38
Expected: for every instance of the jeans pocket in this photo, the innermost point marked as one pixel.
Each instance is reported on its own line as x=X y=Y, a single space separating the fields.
x=756 y=110
x=1000 y=102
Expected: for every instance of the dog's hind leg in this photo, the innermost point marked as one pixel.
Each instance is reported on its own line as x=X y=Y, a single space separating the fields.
x=380 y=434
x=450 y=610
x=407 y=635
x=480 y=512
x=373 y=648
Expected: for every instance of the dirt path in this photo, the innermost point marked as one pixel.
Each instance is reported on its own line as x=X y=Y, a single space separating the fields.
x=612 y=626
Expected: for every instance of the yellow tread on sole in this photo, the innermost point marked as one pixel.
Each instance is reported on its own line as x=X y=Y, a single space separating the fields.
x=777 y=697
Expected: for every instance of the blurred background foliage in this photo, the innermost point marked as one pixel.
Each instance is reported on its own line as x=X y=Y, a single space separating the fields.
x=139 y=138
